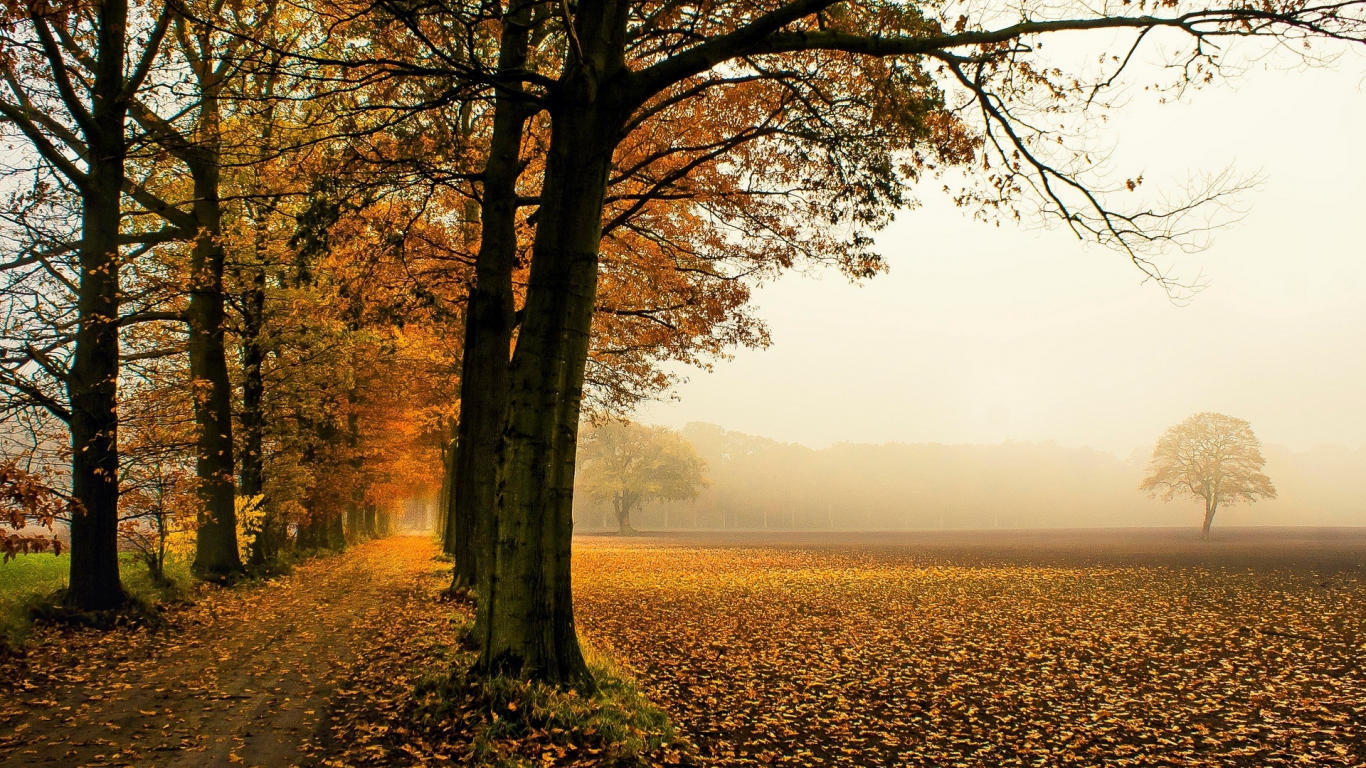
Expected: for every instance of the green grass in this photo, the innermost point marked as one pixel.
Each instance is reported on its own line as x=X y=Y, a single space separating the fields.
x=25 y=579
x=518 y=719
x=30 y=579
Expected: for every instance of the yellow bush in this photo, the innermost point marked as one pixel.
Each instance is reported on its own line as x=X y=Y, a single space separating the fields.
x=251 y=516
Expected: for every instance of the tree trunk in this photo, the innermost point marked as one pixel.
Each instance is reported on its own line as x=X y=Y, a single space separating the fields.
x=623 y=510
x=216 y=543
x=371 y=521
x=452 y=541
x=252 y=480
x=266 y=546
x=356 y=510
x=530 y=627
x=489 y=325
x=355 y=532
x=335 y=533
x=443 y=498
x=92 y=385
x=1210 y=509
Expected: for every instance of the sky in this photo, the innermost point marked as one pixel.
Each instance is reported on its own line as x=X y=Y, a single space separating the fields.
x=980 y=334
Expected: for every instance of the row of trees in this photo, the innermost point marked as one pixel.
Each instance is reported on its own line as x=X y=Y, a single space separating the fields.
x=200 y=291
x=322 y=252
x=763 y=484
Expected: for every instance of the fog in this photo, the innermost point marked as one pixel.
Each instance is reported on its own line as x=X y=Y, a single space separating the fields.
x=759 y=483
x=956 y=390
x=980 y=334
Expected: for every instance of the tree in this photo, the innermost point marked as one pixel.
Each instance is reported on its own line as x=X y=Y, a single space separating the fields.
x=71 y=110
x=867 y=97
x=199 y=147
x=628 y=464
x=1212 y=457
x=490 y=315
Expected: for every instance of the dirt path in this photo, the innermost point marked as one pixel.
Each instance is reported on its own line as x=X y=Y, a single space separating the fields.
x=241 y=678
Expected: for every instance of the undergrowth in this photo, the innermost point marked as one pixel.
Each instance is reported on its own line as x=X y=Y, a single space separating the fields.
x=23 y=580
x=413 y=699
x=32 y=588
x=511 y=722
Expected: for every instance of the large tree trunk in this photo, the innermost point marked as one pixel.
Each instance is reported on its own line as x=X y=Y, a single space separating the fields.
x=1210 y=508
x=92 y=385
x=530 y=628
x=216 y=543
x=252 y=479
x=489 y=324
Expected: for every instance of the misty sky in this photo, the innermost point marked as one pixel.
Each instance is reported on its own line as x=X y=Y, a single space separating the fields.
x=982 y=334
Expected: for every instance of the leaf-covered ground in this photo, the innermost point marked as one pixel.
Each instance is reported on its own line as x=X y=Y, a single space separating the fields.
x=241 y=677
x=351 y=660
x=873 y=653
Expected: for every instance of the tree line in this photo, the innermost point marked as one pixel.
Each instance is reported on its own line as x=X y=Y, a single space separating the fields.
x=758 y=484
x=321 y=255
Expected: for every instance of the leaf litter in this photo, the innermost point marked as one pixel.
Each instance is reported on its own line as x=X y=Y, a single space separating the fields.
x=761 y=655
x=351 y=660
x=878 y=657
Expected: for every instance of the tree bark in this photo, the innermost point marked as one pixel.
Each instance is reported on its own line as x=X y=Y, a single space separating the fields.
x=335 y=532
x=623 y=505
x=252 y=478
x=265 y=547
x=443 y=499
x=489 y=325
x=216 y=543
x=452 y=541
x=357 y=514
x=1210 y=508
x=371 y=521
x=355 y=523
x=92 y=385
x=530 y=628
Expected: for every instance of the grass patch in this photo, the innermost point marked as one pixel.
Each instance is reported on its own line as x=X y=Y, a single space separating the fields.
x=31 y=584
x=22 y=581
x=512 y=723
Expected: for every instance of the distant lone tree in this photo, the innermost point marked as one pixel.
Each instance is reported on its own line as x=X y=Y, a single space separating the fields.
x=629 y=463
x=1212 y=457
